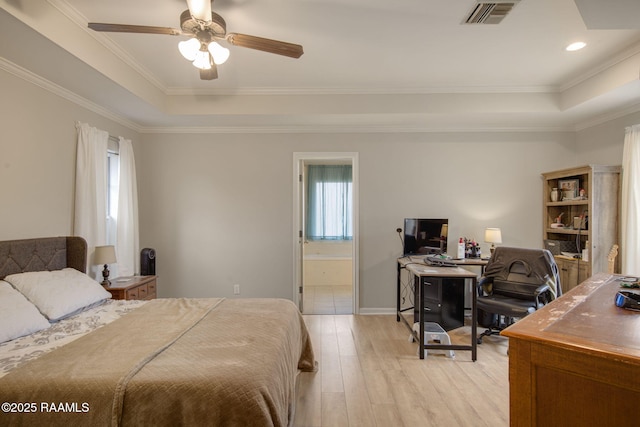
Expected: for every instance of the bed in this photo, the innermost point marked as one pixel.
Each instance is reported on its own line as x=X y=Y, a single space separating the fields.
x=175 y=361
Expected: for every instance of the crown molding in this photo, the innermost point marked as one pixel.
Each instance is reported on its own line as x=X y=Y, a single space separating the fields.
x=49 y=86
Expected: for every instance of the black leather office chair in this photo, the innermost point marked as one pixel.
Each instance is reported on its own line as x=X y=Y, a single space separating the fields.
x=515 y=283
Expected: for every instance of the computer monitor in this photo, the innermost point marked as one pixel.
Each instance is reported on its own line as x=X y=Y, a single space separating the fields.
x=425 y=236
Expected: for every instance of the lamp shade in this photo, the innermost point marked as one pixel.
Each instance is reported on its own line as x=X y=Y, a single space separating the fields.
x=493 y=235
x=105 y=255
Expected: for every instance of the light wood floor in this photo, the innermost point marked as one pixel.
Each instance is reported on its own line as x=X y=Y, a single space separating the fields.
x=328 y=299
x=370 y=375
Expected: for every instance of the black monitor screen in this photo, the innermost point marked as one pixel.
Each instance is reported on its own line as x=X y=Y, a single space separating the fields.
x=425 y=236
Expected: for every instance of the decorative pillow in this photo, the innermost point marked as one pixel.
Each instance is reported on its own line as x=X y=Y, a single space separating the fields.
x=59 y=294
x=18 y=317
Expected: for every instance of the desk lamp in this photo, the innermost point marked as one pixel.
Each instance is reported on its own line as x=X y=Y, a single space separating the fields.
x=492 y=235
x=105 y=255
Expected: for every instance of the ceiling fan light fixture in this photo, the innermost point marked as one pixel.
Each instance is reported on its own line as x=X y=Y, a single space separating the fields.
x=203 y=60
x=189 y=48
x=200 y=9
x=220 y=54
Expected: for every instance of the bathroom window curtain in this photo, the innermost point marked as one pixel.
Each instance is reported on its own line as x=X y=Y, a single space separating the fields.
x=630 y=212
x=329 y=205
x=89 y=219
x=127 y=240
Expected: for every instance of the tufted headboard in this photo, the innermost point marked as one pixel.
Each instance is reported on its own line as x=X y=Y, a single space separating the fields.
x=47 y=253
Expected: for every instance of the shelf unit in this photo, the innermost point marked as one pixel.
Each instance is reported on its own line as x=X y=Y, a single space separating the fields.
x=600 y=229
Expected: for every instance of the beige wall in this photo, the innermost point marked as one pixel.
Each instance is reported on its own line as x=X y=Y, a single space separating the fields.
x=37 y=158
x=218 y=208
x=603 y=144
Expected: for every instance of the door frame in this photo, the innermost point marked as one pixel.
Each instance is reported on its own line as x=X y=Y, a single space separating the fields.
x=299 y=159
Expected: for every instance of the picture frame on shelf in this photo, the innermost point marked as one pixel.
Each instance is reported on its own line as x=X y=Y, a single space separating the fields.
x=569 y=188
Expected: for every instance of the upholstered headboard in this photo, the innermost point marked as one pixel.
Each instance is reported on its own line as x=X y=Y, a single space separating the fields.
x=47 y=253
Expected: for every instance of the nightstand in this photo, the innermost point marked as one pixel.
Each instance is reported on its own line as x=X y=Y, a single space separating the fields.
x=133 y=287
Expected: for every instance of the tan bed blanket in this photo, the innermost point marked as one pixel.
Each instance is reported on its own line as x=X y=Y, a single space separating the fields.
x=215 y=362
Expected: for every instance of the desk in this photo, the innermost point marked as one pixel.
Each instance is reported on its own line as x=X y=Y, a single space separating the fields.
x=419 y=260
x=576 y=361
x=422 y=274
x=479 y=262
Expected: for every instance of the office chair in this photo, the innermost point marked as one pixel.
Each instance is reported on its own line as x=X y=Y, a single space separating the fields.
x=516 y=282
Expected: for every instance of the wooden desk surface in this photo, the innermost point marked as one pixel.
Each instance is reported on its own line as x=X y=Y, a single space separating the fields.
x=585 y=319
x=422 y=270
x=576 y=361
x=419 y=259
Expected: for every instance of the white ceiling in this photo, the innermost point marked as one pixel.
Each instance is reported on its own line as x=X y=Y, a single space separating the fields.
x=369 y=65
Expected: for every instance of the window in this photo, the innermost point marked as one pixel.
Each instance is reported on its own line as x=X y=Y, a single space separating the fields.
x=113 y=184
x=329 y=202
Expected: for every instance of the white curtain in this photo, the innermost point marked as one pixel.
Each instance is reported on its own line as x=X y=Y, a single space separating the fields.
x=630 y=215
x=127 y=246
x=91 y=190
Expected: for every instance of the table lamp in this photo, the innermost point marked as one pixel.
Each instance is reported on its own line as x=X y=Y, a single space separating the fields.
x=105 y=255
x=492 y=235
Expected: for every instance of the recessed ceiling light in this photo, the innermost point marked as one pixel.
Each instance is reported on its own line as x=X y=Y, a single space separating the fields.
x=575 y=46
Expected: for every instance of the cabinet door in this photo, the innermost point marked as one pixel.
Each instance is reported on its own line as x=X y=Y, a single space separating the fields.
x=142 y=292
x=564 y=275
x=443 y=302
x=452 y=315
x=151 y=290
x=572 y=273
x=132 y=293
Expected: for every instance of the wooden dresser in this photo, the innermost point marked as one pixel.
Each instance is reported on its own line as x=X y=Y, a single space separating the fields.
x=576 y=362
x=134 y=287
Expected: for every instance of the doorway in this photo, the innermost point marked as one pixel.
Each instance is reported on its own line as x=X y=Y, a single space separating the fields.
x=325 y=270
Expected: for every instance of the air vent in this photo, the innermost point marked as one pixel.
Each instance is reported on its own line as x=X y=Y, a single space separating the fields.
x=490 y=13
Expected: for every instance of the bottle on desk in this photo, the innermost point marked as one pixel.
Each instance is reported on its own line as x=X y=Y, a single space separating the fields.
x=461 y=249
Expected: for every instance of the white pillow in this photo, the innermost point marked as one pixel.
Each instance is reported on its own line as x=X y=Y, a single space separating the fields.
x=59 y=294
x=18 y=317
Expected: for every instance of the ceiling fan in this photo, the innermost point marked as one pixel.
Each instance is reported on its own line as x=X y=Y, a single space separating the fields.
x=204 y=28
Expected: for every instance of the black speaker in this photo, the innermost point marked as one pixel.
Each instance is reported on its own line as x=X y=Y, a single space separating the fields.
x=148 y=262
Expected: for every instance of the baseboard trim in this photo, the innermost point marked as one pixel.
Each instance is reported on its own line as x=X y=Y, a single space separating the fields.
x=371 y=311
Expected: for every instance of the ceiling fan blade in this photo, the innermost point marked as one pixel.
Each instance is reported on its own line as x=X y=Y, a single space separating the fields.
x=143 y=29
x=210 y=74
x=267 y=45
x=200 y=9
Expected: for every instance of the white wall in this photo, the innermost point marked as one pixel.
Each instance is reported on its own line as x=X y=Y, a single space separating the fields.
x=218 y=208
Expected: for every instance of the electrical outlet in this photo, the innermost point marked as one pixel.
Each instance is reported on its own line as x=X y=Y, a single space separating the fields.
x=236 y=289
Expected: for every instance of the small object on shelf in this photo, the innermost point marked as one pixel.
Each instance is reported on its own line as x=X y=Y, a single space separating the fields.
x=583 y=194
x=558 y=222
x=577 y=222
x=569 y=188
x=554 y=195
